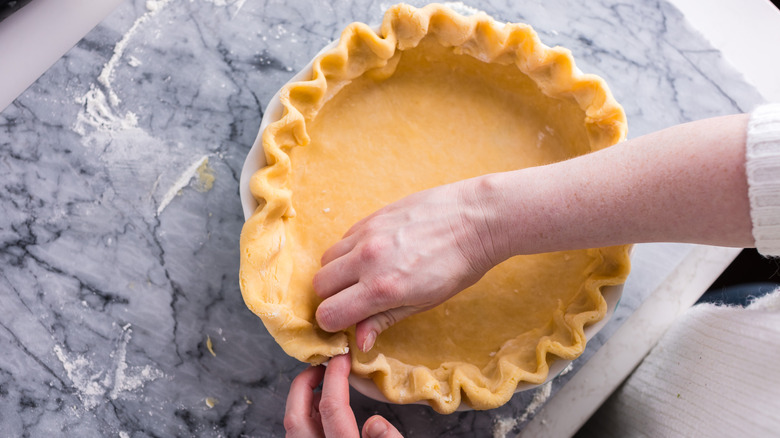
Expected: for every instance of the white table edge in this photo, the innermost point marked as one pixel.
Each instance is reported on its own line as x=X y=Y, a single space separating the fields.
x=35 y=37
x=581 y=396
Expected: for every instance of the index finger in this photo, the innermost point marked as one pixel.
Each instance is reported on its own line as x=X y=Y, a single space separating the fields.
x=338 y=420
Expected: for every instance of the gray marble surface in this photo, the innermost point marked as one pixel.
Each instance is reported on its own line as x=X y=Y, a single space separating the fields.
x=119 y=255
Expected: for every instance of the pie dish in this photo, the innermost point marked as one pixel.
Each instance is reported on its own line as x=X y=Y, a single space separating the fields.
x=430 y=98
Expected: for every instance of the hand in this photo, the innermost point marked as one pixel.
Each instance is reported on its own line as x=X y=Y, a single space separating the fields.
x=327 y=414
x=406 y=258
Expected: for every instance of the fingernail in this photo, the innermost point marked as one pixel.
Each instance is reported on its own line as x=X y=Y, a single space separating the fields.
x=376 y=429
x=368 y=343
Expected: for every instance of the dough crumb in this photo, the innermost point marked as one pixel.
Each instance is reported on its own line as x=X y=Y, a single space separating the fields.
x=211 y=402
x=210 y=346
x=206 y=177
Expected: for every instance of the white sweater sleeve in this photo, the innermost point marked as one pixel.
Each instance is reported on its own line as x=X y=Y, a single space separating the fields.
x=763 y=176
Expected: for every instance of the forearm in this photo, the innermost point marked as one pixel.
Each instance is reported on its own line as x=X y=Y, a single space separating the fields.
x=682 y=184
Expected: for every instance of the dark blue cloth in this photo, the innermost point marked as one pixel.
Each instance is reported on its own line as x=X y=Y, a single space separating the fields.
x=738 y=295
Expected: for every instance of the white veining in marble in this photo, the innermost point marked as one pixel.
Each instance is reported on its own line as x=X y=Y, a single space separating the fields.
x=118 y=262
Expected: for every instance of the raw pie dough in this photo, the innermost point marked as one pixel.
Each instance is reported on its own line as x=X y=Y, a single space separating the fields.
x=434 y=98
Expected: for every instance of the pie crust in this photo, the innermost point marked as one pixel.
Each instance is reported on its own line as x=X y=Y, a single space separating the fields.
x=433 y=97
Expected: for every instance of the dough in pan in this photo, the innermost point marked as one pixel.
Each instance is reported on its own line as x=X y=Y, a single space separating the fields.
x=435 y=97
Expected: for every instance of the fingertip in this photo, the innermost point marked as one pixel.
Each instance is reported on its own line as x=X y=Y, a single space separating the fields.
x=378 y=427
x=328 y=319
x=366 y=332
x=368 y=341
x=342 y=310
x=338 y=371
x=337 y=417
x=342 y=363
x=322 y=316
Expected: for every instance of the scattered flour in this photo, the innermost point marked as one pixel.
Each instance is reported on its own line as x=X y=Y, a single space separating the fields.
x=97 y=114
x=462 y=8
x=566 y=370
x=90 y=387
x=105 y=77
x=115 y=133
x=183 y=180
x=236 y=4
x=459 y=7
x=97 y=105
x=125 y=378
x=94 y=383
x=239 y=5
x=154 y=5
x=503 y=426
x=540 y=397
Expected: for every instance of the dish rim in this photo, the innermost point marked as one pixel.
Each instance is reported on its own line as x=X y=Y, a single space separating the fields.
x=255 y=160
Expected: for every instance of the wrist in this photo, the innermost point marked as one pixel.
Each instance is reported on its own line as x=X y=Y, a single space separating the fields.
x=529 y=211
x=485 y=203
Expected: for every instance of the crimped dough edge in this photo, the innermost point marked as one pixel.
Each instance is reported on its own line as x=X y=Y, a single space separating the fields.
x=266 y=267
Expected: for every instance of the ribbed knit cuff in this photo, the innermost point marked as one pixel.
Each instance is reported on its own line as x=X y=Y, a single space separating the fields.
x=763 y=177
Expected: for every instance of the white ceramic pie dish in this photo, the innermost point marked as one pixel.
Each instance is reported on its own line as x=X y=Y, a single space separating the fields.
x=611 y=295
x=255 y=160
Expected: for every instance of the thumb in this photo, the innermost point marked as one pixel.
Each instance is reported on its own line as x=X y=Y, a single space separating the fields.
x=366 y=331
x=378 y=427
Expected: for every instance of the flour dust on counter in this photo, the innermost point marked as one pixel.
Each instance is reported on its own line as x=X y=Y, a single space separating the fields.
x=94 y=381
x=121 y=215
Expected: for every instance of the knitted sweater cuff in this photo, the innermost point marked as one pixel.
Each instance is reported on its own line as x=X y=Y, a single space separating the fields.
x=763 y=176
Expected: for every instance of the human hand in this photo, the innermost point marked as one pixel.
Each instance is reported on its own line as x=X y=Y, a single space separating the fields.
x=405 y=258
x=327 y=413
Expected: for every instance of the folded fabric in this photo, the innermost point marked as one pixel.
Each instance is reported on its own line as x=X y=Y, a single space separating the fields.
x=714 y=373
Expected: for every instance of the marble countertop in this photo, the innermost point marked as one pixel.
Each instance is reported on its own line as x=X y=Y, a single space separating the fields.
x=121 y=312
